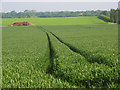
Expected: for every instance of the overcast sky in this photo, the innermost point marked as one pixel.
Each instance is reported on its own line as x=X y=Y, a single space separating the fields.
x=59 y=0
x=56 y=5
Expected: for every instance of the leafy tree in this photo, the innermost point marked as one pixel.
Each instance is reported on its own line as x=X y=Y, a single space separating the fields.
x=112 y=15
x=106 y=13
x=13 y=14
x=33 y=13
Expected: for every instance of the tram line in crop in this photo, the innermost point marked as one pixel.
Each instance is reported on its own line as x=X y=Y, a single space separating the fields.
x=87 y=55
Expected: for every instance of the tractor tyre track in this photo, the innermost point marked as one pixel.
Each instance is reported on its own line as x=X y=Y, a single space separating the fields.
x=87 y=55
x=51 y=56
x=61 y=75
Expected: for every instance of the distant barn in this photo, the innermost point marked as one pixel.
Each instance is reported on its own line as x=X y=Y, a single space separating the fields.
x=21 y=24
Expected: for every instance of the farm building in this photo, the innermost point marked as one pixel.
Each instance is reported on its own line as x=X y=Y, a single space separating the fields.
x=80 y=14
x=21 y=24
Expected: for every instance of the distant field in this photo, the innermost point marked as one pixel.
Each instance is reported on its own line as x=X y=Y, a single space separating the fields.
x=56 y=21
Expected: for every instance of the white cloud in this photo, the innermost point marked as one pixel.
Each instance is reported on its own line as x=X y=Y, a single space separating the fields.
x=60 y=0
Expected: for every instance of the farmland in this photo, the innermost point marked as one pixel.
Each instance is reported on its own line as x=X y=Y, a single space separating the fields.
x=77 y=52
x=56 y=21
x=25 y=59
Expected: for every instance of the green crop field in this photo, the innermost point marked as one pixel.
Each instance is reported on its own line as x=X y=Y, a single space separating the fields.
x=56 y=21
x=79 y=52
x=25 y=59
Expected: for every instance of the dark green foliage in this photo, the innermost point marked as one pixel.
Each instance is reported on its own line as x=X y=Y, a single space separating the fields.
x=112 y=16
x=105 y=18
x=106 y=13
x=33 y=13
x=118 y=16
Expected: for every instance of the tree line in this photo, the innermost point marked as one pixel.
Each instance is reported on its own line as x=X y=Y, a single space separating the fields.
x=112 y=16
x=108 y=16
x=33 y=14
